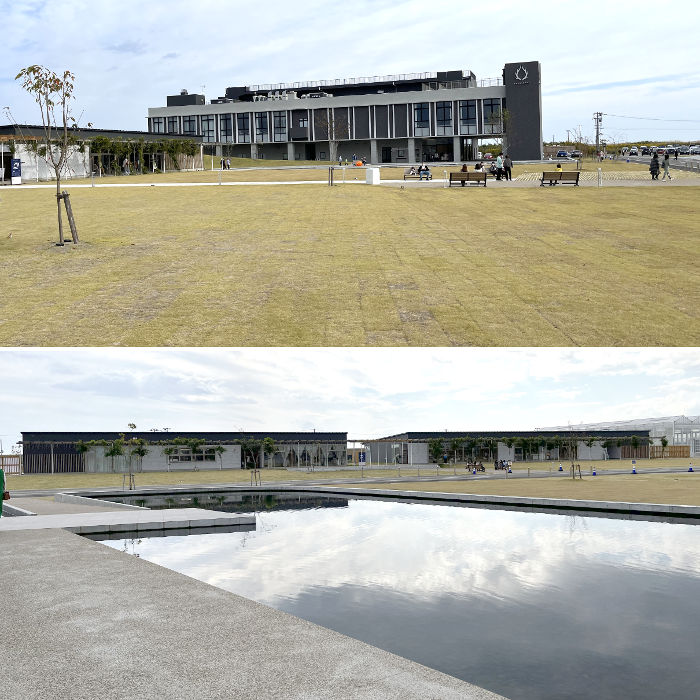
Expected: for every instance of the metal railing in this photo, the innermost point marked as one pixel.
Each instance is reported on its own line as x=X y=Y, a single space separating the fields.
x=343 y=81
x=489 y=82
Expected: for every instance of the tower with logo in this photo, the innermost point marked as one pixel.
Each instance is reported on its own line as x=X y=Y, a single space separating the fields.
x=524 y=104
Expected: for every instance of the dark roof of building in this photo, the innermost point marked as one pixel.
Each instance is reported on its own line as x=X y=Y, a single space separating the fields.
x=447 y=435
x=159 y=436
x=20 y=131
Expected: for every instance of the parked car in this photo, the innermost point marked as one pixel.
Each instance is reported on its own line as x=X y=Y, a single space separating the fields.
x=645 y=150
x=694 y=150
x=577 y=154
x=634 y=151
x=488 y=156
x=562 y=154
x=683 y=150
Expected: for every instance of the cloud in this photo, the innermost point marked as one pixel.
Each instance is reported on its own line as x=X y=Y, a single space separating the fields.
x=369 y=392
x=132 y=47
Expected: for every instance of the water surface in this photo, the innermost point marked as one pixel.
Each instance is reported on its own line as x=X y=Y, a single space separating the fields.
x=529 y=605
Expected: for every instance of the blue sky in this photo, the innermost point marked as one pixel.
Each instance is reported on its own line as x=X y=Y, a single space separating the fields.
x=366 y=392
x=632 y=59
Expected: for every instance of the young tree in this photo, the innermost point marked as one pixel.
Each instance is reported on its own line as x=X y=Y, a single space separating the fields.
x=664 y=445
x=53 y=93
x=220 y=449
x=268 y=446
x=435 y=448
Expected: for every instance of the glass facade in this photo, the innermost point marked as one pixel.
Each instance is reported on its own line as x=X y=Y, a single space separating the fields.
x=280 y=125
x=158 y=125
x=173 y=125
x=467 y=117
x=443 y=113
x=421 y=119
x=189 y=126
x=492 y=116
x=225 y=128
x=209 y=129
x=262 y=131
x=243 y=121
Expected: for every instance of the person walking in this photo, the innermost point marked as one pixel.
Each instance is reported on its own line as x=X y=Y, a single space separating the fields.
x=666 y=173
x=2 y=490
x=508 y=168
x=654 y=167
x=499 y=167
x=228 y=164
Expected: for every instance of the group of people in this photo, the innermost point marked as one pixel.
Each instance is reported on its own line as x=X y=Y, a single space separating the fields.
x=502 y=168
x=655 y=167
x=226 y=164
x=502 y=463
x=423 y=172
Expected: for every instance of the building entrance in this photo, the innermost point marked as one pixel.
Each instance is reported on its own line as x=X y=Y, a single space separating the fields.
x=436 y=150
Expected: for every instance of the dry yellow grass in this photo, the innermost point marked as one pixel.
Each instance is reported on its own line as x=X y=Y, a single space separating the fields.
x=35 y=482
x=356 y=266
x=679 y=489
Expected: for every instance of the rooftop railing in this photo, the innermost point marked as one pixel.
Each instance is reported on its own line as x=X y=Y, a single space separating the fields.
x=343 y=81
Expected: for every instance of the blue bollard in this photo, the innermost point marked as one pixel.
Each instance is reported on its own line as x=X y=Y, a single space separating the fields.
x=561 y=469
x=690 y=469
x=474 y=471
x=510 y=471
x=594 y=473
x=634 y=470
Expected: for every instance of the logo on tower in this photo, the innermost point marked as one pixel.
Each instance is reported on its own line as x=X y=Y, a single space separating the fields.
x=521 y=74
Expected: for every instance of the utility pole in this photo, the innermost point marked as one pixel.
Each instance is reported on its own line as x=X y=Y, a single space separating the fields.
x=568 y=138
x=598 y=119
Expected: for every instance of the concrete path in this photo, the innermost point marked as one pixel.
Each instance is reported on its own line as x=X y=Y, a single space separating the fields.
x=84 y=621
x=46 y=505
x=138 y=520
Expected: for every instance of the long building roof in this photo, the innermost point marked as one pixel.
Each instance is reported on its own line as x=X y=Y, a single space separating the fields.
x=496 y=434
x=163 y=436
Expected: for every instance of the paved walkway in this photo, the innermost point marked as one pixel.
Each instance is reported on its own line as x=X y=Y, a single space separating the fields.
x=84 y=621
x=136 y=520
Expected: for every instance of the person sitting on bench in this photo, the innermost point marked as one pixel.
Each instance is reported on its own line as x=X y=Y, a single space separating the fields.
x=412 y=171
x=464 y=169
x=423 y=169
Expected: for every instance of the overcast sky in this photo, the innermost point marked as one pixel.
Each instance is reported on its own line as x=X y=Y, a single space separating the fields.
x=366 y=392
x=629 y=58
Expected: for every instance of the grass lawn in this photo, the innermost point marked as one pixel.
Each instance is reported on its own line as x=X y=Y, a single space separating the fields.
x=226 y=476
x=679 y=489
x=355 y=266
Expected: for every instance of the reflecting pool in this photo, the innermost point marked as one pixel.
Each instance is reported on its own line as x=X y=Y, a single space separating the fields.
x=529 y=605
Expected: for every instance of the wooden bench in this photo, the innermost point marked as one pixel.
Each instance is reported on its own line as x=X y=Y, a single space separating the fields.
x=407 y=174
x=474 y=176
x=569 y=177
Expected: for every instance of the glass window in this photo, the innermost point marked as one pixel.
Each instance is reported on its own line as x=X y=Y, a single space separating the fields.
x=173 y=126
x=421 y=119
x=280 y=125
x=208 y=129
x=492 y=116
x=304 y=122
x=158 y=125
x=261 y=129
x=444 y=119
x=467 y=117
x=189 y=126
x=226 y=128
x=243 y=121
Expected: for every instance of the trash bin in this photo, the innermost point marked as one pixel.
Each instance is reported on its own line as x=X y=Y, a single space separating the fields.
x=372 y=176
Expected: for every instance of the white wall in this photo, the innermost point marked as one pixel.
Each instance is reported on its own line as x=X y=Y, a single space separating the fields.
x=156 y=460
x=35 y=168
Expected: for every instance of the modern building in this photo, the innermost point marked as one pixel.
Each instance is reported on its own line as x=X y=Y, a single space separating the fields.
x=16 y=142
x=524 y=445
x=389 y=119
x=56 y=452
x=679 y=431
